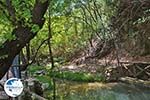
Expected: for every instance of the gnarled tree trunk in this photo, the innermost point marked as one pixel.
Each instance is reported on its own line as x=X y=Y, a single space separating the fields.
x=23 y=34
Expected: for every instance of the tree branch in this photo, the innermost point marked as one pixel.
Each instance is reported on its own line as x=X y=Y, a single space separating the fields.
x=23 y=36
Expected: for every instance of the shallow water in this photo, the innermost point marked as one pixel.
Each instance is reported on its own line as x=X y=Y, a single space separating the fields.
x=99 y=91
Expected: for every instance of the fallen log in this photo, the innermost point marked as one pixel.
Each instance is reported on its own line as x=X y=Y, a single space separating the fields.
x=135 y=62
x=135 y=81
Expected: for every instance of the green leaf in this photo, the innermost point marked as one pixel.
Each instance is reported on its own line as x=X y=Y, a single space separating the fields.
x=35 y=28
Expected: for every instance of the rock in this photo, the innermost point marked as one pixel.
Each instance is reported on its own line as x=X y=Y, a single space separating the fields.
x=135 y=81
x=3 y=96
x=40 y=72
x=30 y=81
x=26 y=96
x=38 y=88
x=45 y=86
x=35 y=86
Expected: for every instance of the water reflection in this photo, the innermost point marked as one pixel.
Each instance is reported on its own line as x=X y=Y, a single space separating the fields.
x=98 y=91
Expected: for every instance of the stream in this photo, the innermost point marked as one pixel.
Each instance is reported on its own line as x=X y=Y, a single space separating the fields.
x=99 y=91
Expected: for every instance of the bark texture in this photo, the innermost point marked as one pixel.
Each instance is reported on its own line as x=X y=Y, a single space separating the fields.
x=23 y=34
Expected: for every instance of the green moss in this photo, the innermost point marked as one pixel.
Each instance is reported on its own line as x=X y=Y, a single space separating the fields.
x=44 y=79
x=77 y=76
x=68 y=75
x=34 y=68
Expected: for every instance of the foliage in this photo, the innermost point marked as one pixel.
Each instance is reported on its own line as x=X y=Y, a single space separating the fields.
x=77 y=76
x=6 y=28
x=45 y=79
x=132 y=26
x=22 y=14
x=72 y=76
x=42 y=78
x=33 y=68
x=73 y=23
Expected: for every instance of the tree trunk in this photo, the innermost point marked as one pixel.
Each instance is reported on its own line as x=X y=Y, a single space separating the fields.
x=23 y=35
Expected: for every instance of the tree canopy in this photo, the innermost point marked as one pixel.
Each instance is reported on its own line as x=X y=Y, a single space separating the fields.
x=73 y=26
x=21 y=20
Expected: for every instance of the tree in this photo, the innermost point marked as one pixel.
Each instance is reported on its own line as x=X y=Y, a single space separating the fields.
x=132 y=21
x=26 y=19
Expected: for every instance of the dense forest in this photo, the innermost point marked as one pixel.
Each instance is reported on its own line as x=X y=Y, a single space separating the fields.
x=76 y=40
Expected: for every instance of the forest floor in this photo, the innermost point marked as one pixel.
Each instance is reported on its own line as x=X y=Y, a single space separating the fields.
x=113 y=68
